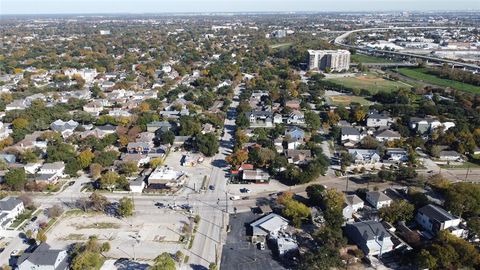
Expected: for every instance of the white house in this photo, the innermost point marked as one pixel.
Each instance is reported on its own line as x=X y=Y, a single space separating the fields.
x=10 y=209
x=44 y=258
x=364 y=156
x=351 y=134
x=378 y=199
x=434 y=219
x=397 y=154
x=296 y=117
x=55 y=168
x=376 y=119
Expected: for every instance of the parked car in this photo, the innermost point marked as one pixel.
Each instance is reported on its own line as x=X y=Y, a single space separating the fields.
x=211 y=187
x=245 y=190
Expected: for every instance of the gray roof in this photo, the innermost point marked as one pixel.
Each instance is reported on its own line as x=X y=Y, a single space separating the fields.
x=436 y=213
x=9 y=203
x=369 y=229
x=378 y=196
x=43 y=255
x=449 y=154
x=107 y=128
x=350 y=131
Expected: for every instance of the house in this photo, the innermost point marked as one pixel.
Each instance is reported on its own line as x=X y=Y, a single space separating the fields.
x=163 y=126
x=295 y=133
x=94 y=108
x=375 y=119
x=44 y=258
x=450 y=156
x=180 y=140
x=370 y=236
x=255 y=176
x=137 y=185
x=138 y=147
x=138 y=158
x=32 y=168
x=119 y=113
x=351 y=134
x=378 y=199
x=387 y=135
x=397 y=154
x=10 y=209
x=55 y=168
x=65 y=128
x=355 y=202
x=260 y=118
x=364 y=156
x=296 y=117
x=269 y=225
x=298 y=156
x=107 y=129
x=428 y=125
x=434 y=219
x=293 y=104
x=8 y=158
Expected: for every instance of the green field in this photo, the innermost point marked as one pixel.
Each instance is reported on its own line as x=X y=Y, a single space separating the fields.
x=360 y=58
x=370 y=82
x=346 y=100
x=421 y=75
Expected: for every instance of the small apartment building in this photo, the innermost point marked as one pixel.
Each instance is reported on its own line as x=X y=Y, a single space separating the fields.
x=434 y=219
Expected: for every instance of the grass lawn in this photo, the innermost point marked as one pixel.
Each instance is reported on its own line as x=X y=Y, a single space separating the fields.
x=421 y=75
x=360 y=58
x=21 y=218
x=343 y=100
x=281 y=45
x=371 y=82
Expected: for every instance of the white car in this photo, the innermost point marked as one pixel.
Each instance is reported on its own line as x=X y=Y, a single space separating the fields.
x=14 y=252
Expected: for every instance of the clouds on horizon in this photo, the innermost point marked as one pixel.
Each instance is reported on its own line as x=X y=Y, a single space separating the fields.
x=159 y=6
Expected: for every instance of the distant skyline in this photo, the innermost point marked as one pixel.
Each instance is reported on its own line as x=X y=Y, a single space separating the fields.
x=189 y=6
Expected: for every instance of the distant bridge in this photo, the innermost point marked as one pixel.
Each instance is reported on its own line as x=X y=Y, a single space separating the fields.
x=340 y=40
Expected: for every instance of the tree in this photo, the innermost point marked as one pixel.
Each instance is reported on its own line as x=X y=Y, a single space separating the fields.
x=399 y=210
x=98 y=202
x=212 y=266
x=425 y=260
x=463 y=199
x=105 y=247
x=41 y=236
x=238 y=158
x=95 y=170
x=312 y=120
x=322 y=259
x=16 y=179
x=207 y=144
x=129 y=168
x=29 y=156
x=20 y=123
x=242 y=121
x=155 y=162
x=109 y=180
x=106 y=158
x=166 y=137
x=85 y=158
x=163 y=261
x=293 y=209
x=315 y=193
x=125 y=208
x=55 y=211
x=179 y=256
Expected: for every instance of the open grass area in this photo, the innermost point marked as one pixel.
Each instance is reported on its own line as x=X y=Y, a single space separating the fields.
x=421 y=75
x=27 y=214
x=371 y=82
x=281 y=45
x=343 y=100
x=360 y=58
x=97 y=225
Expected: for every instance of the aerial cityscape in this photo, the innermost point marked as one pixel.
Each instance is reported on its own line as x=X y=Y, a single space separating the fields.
x=239 y=137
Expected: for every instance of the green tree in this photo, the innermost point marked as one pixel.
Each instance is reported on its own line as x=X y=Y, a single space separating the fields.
x=109 y=180
x=16 y=179
x=207 y=144
x=212 y=266
x=85 y=158
x=242 y=121
x=315 y=193
x=399 y=210
x=125 y=208
x=129 y=168
x=293 y=209
x=163 y=261
x=41 y=236
x=312 y=120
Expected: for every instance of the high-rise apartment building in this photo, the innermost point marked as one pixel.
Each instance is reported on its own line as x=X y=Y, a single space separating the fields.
x=335 y=60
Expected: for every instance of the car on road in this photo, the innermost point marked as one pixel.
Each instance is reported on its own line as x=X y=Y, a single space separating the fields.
x=235 y=198
x=431 y=171
x=33 y=219
x=245 y=198
x=211 y=187
x=159 y=205
x=245 y=190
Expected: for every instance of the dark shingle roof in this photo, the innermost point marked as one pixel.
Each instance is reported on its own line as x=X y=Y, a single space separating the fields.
x=436 y=213
x=9 y=203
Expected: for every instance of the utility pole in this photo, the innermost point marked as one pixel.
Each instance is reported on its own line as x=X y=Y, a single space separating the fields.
x=346 y=187
x=468 y=170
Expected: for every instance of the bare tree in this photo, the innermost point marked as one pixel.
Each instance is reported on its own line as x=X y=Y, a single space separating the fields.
x=27 y=200
x=83 y=204
x=54 y=211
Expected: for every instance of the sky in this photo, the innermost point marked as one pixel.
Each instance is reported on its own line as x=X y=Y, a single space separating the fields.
x=166 y=6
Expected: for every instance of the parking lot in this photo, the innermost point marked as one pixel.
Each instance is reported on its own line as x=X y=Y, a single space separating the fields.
x=239 y=254
x=142 y=236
